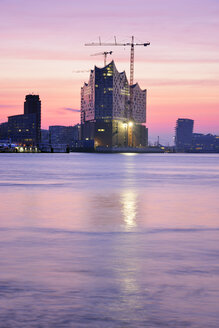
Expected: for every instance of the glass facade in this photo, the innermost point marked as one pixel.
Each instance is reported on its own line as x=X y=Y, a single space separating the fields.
x=105 y=106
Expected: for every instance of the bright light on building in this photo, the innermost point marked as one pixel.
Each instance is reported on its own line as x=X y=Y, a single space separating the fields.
x=130 y=124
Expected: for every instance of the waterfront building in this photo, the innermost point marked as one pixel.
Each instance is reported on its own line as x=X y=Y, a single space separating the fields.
x=4 y=131
x=22 y=129
x=106 y=117
x=205 y=143
x=32 y=105
x=64 y=135
x=45 y=136
x=184 y=133
x=187 y=141
x=25 y=129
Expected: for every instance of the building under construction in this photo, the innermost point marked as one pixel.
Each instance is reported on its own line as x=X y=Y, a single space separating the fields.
x=110 y=117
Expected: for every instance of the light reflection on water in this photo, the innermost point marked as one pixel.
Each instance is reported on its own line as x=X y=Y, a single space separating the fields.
x=129 y=204
x=109 y=240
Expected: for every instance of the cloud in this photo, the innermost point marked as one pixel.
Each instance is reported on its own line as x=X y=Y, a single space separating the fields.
x=8 y=106
x=71 y=109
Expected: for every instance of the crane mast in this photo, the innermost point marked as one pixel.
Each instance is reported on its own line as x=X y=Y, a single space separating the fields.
x=132 y=63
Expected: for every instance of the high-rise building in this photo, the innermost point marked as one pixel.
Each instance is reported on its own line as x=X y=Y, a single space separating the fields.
x=26 y=128
x=184 y=133
x=106 y=117
x=32 y=105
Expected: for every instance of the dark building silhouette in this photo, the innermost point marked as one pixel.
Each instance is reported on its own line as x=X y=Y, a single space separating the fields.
x=205 y=143
x=4 y=131
x=26 y=129
x=105 y=110
x=64 y=135
x=184 y=133
x=32 y=105
x=22 y=129
x=187 y=141
x=45 y=136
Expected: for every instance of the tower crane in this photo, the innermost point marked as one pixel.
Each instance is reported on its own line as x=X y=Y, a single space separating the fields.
x=132 y=44
x=105 y=53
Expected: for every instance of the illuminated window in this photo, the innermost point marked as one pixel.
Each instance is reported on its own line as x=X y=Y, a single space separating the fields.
x=101 y=130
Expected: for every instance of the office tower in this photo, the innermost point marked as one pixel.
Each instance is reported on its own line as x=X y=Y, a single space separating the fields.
x=32 y=105
x=106 y=117
x=184 y=133
x=26 y=129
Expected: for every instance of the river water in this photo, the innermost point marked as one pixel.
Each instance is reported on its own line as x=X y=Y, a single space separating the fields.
x=109 y=240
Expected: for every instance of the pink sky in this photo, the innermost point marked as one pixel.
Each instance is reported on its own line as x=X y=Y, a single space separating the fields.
x=42 y=43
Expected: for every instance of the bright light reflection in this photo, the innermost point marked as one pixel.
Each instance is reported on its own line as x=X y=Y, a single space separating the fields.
x=129 y=209
x=129 y=154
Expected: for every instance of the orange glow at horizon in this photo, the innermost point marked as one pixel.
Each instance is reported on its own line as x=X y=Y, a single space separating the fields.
x=180 y=69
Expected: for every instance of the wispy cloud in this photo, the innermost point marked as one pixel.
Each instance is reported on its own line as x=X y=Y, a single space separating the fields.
x=71 y=109
x=8 y=106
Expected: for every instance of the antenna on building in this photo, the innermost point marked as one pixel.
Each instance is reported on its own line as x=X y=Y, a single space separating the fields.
x=105 y=53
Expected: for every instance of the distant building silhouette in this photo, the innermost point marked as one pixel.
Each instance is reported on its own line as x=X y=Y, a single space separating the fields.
x=4 y=131
x=105 y=110
x=26 y=129
x=32 y=105
x=205 y=143
x=64 y=135
x=45 y=136
x=22 y=129
x=187 y=141
x=184 y=133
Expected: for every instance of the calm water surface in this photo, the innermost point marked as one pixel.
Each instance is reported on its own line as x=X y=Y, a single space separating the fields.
x=109 y=240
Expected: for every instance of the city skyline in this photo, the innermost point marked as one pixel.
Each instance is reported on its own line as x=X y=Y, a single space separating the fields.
x=43 y=43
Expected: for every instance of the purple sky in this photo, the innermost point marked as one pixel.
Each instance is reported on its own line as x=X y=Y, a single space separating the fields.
x=42 y=44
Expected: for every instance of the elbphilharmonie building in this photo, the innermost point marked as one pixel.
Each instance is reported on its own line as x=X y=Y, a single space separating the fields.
x=107 y=115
